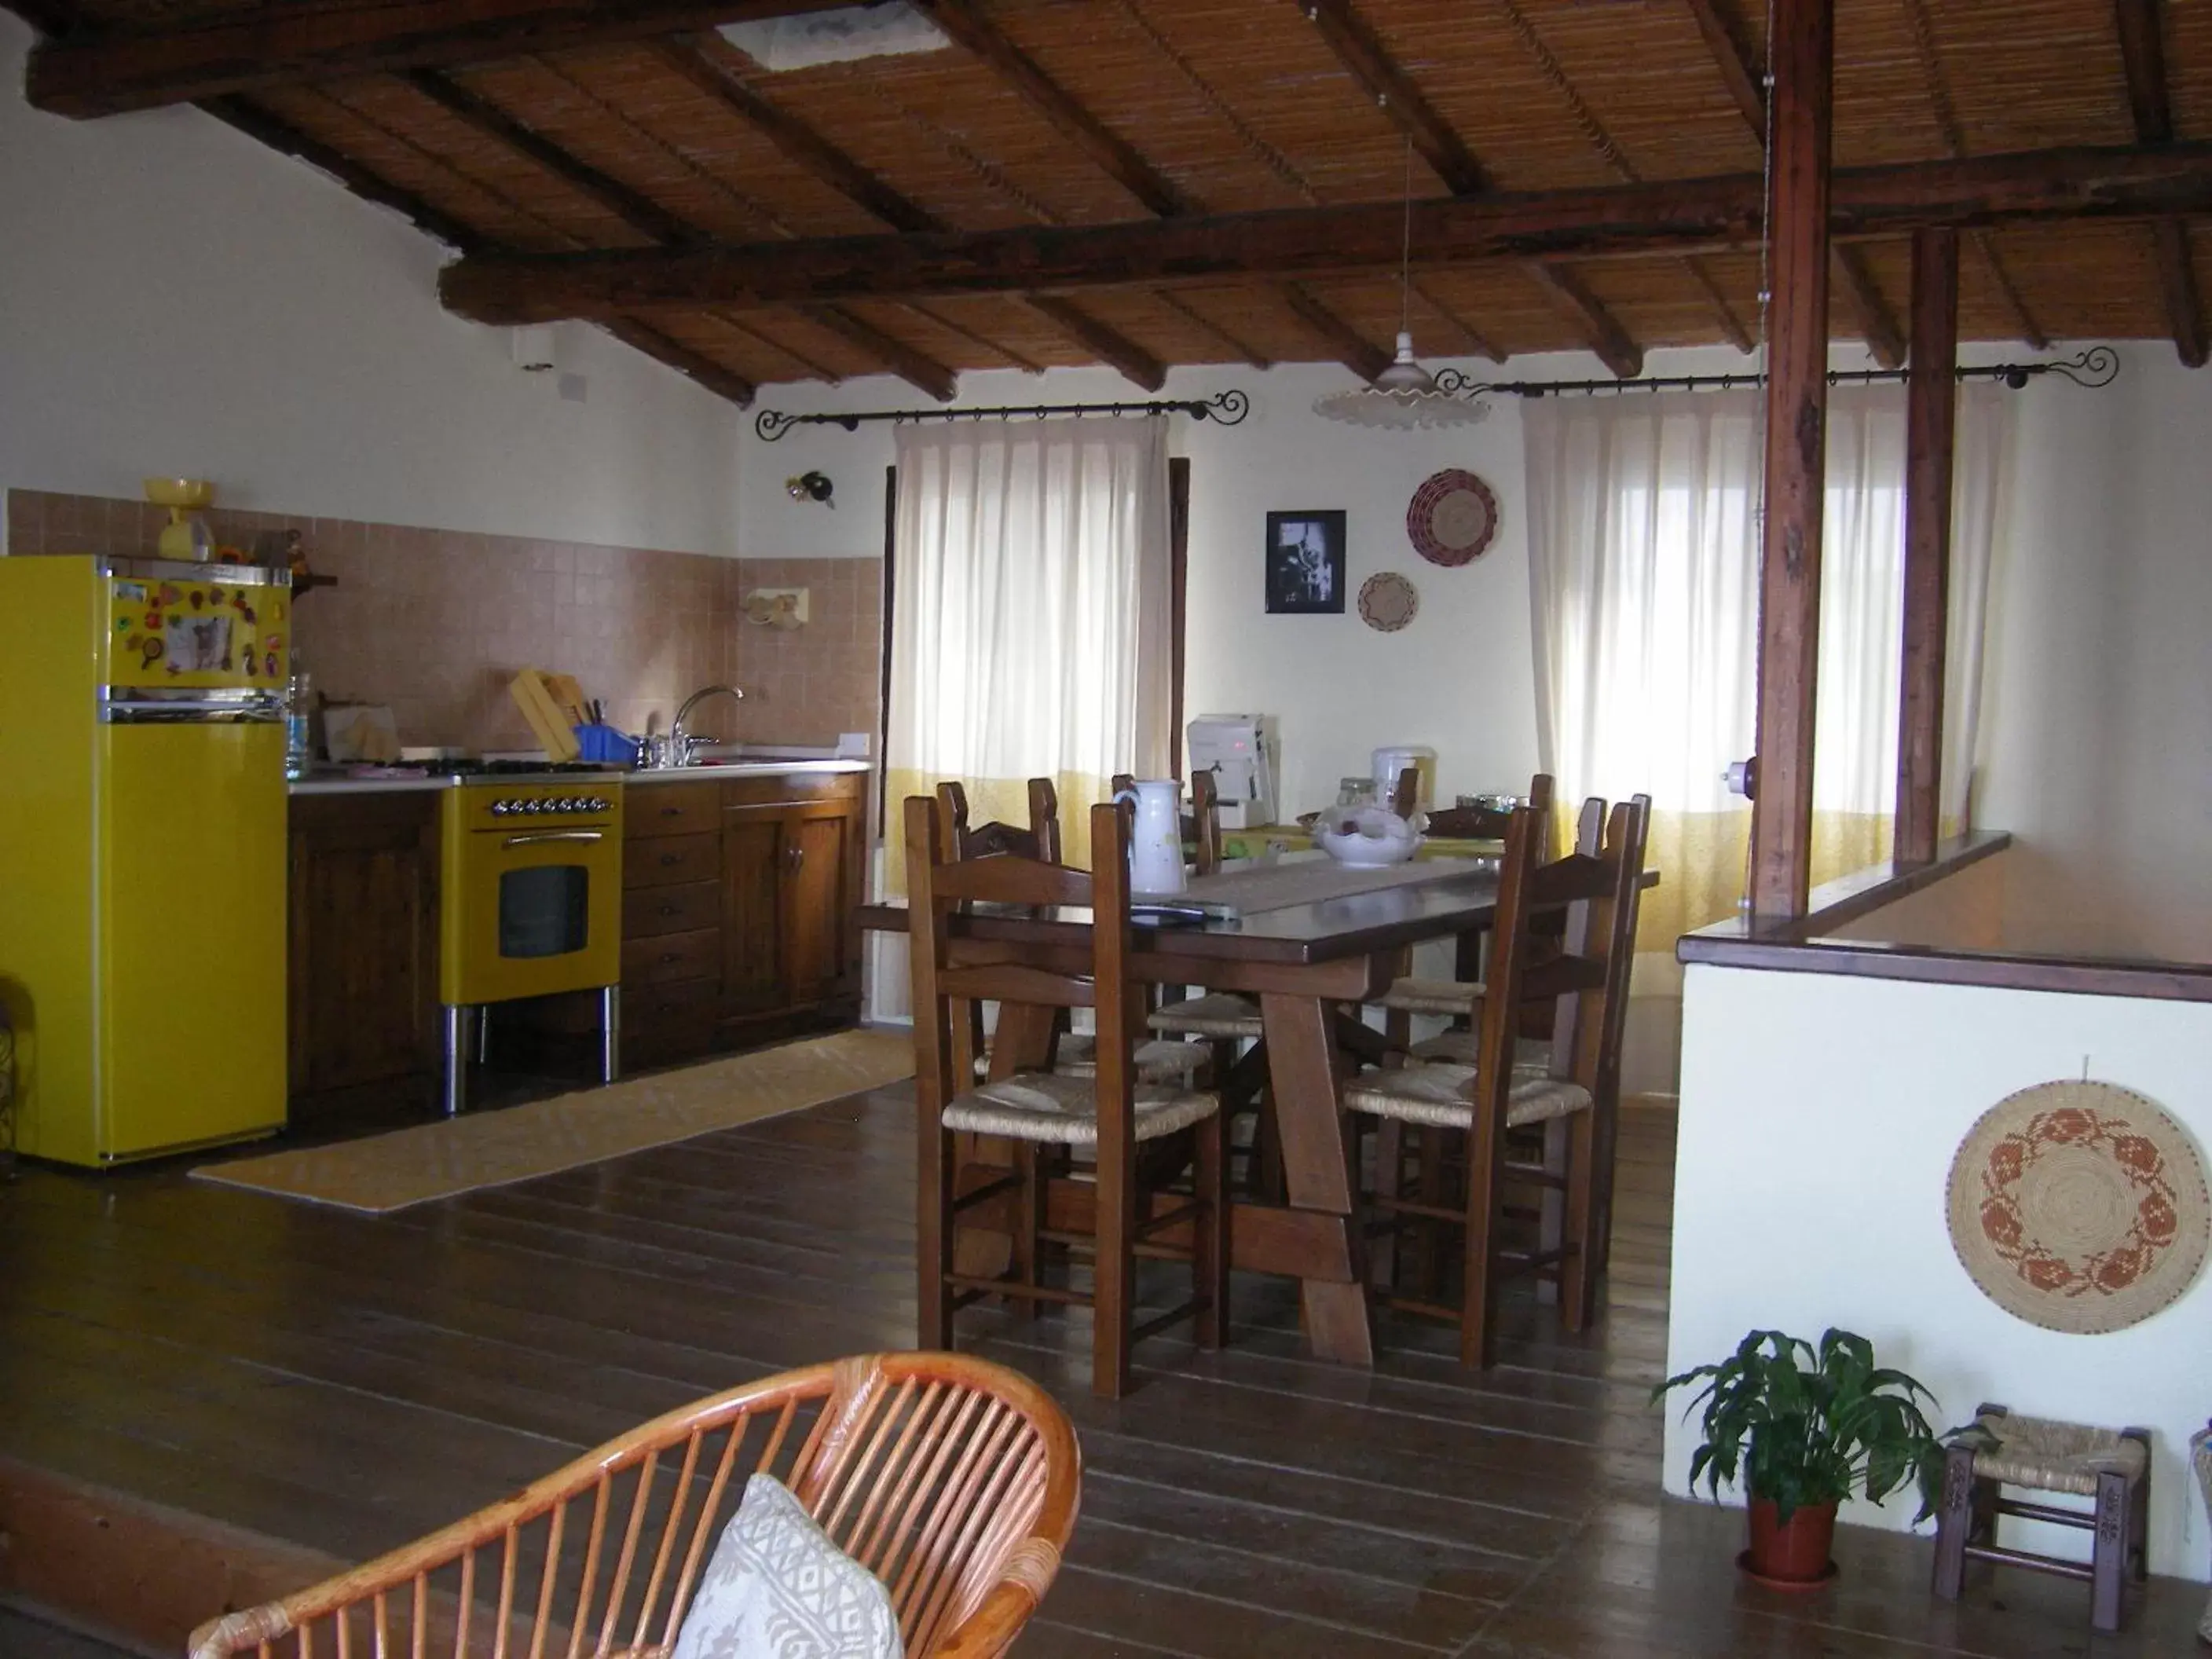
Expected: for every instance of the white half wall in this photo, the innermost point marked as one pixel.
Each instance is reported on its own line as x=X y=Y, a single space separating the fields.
x=2099 y=687
x=1819 y=1115
x=178 y=299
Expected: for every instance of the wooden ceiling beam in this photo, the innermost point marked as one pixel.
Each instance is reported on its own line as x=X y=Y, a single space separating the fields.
x=1598 y=326
x=2142 y=27
x=282 y=135
x=2176 y=287
x=1109 y=344
x=649 y=218
x=1112 y=155
x=634 y=208
x=1662 y=217
x=917 y=368
x=1117 y=158
x=1346 y=343
x=1877 y=322
x=111 y=71
x=1732 y=58
x=643 y=337
x=1369 y=62
x=697 y=62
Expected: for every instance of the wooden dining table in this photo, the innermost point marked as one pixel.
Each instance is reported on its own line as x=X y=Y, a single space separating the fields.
x=1302 y=957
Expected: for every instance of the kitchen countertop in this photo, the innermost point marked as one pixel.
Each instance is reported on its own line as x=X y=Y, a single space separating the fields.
x=339 y=783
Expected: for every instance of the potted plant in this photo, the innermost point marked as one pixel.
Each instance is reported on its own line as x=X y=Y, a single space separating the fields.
x=1802 y=1428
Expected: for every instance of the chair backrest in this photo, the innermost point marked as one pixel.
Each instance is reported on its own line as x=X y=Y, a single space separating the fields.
x=939 y=886
x=1600 y=888
x=1205 y=830
x=1041 y=840
x=954 y=1480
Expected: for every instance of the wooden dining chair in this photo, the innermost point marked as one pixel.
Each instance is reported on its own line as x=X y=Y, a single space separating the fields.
x=954 y=1480
x=1112 y=1112
x=1072 y=1055
x=1484 y=1101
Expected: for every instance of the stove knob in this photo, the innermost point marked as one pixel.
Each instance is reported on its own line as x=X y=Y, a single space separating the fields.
x=500 y=809
x=533 y=806
x=599 y=803
x=567 y=804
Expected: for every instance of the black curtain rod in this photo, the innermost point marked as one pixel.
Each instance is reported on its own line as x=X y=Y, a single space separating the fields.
x=1226 y=407
x=2097 y=366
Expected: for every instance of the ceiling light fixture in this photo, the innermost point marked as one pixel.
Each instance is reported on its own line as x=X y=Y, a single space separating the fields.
x=1405 y=397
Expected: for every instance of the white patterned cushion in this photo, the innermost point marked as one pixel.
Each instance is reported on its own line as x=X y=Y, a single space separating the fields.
x=777 y=1588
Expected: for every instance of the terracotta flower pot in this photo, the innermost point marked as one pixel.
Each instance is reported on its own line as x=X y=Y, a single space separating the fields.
x=1795 y=1555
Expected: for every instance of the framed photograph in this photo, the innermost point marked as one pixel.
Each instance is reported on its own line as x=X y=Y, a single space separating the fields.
x=1305 y=563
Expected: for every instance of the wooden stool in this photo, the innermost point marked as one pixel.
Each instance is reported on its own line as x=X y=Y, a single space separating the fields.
x=2113 y=1469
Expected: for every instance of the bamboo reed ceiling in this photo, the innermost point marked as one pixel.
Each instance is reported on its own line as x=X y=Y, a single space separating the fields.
x=1052 y=114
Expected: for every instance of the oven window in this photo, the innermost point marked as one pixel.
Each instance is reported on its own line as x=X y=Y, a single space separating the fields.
x=543 y=912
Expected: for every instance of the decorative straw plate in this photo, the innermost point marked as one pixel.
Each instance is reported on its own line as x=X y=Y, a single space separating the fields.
x=1387 y=601
x=2079 y=1206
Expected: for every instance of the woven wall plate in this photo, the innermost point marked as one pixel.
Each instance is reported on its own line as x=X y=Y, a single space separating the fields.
x=1453 y=518
x=2079 y=1206
x=1387 y=601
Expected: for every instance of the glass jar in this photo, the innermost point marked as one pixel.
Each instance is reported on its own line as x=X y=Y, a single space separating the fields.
x=1352 y=793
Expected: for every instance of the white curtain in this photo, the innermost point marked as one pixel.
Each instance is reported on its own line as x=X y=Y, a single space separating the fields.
x=1644 y=552
x=1031 y=613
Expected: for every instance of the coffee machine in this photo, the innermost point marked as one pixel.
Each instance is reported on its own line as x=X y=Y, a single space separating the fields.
x=1240 y=751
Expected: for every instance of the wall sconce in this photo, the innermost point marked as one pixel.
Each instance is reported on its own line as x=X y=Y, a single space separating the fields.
x=811 y=487
x=777 y=607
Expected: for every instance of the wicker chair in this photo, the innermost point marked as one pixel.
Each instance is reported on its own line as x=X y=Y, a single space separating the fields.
x=953 y=1479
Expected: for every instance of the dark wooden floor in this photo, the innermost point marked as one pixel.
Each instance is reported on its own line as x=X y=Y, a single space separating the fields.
x=348 y=1384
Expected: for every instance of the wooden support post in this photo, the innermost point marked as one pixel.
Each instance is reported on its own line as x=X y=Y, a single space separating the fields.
x=1931 y=414
x=1803 y=51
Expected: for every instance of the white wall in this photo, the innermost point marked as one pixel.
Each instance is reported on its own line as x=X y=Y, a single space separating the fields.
x=2098 y=747
x=176 y=298
x=1810 y=1191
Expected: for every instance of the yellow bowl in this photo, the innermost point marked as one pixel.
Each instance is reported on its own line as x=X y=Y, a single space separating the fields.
x=196 y=493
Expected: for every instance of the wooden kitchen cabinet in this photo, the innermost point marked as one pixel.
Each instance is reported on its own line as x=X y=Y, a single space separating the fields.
x=738 y=910
x=363 y=942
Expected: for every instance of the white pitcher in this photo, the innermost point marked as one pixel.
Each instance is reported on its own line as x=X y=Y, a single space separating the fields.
x=1156 y=844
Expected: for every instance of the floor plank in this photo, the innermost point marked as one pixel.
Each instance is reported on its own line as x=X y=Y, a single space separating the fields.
x=347 y=1383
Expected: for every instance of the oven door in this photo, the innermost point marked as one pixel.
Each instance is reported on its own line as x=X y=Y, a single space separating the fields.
x=537 y=910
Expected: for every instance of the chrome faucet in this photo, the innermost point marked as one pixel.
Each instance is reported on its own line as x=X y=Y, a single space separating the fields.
x=683 y=744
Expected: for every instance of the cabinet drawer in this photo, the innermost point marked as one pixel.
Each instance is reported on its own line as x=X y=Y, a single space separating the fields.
x=663 y=861
x=794 y=787
x=648 y=911
x=662 y=1024
x=669 y=808
x=655 y=961
x=688 y=1003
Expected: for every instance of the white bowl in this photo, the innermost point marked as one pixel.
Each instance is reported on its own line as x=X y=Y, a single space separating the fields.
x=1371 y=838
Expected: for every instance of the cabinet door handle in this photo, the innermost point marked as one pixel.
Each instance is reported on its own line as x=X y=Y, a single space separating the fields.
x=672 y=956
x=671 y=909
x=671 y=811
x=669 y=860
x=794 y=856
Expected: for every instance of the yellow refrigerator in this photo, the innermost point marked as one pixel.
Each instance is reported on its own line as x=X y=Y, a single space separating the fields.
x=143 y=853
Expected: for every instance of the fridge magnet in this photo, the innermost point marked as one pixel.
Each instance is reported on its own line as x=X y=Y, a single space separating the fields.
x=1305 y=563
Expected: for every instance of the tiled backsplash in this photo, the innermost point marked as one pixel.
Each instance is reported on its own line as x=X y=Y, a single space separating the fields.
x=435 y=622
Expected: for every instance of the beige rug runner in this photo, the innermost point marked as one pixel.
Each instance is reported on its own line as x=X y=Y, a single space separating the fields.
x=490 y=1149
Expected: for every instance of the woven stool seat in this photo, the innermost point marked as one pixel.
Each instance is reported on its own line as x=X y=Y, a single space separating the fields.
x=1162 y=1061
x=1041 y=1106
x=1216 y=1014
x=1442 y=1096
x=2052 y=1456
x=1532 y=1056
x=1457 y=999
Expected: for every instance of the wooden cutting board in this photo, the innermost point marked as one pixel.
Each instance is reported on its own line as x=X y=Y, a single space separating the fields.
x=569 y=697
x=552 y=729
